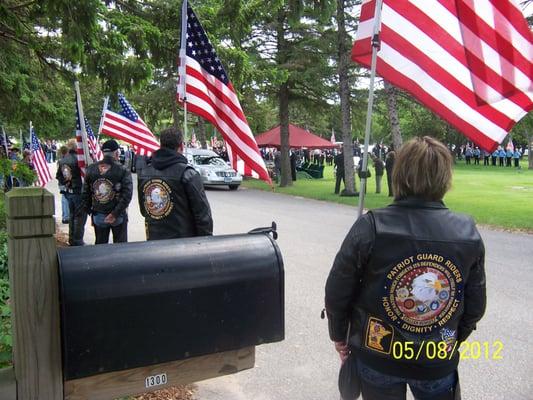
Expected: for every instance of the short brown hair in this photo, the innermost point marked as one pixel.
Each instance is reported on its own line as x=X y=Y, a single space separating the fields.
x=171 y=138
x=423 y=168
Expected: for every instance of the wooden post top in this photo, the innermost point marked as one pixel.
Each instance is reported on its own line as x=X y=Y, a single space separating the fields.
x=29 y=202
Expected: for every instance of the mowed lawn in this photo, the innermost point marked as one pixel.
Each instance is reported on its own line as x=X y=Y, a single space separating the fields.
x=496 y=196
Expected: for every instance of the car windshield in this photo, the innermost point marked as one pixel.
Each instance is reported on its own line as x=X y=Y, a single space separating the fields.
x=209 y=160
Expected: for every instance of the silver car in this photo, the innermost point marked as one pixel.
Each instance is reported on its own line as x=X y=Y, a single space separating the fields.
x=213 y=169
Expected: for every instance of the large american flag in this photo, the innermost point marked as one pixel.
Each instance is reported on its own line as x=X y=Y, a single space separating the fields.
x=94 y=147
x=468 y=61
x=210 y=94
x=126 y=125
x=39 y=160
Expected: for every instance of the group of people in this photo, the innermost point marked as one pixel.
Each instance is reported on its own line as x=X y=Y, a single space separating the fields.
x=14 y=155
x=50 y=150
x=404 y=275
x=170 y=193
x=378 y=164
x=508 y=157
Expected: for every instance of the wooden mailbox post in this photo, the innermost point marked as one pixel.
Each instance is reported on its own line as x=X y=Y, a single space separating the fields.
x=37 y=372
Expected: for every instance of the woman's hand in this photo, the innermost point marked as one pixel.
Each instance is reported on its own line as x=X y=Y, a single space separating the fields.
x=343 y=350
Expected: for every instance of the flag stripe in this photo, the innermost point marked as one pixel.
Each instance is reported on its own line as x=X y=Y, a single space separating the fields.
x=204 y=112
x=140 y=129
x=39 y=160
x=235 y=136
x=80 y=153
x=480 y=137
x=445 y=45
x=472 y=68
x=243 y=130
x=195 y=73
x=449 y=77
x=134 y=132
x=210 y=94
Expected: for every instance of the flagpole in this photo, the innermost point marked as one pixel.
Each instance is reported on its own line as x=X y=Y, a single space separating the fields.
x=182 y=68
x=106 y=103
x=21 y=142
x=375 y=48
x=82 y=124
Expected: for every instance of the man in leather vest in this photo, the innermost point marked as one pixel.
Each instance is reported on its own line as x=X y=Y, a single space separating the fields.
x=408 y=284
x=107 y=192
x=69 y=177
x=171 y=193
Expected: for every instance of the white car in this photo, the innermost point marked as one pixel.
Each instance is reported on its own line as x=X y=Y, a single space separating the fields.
x=213 y=169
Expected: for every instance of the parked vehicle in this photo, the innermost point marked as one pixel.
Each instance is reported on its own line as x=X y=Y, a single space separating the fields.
x=213 y=169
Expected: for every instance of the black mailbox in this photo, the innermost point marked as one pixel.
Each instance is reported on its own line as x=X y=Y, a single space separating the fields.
x=137 y=304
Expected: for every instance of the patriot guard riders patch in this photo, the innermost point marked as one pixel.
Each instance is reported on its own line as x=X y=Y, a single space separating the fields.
x=157 y=200
x=422 y=292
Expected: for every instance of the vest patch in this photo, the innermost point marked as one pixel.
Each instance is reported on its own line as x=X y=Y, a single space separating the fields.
x=103 y=191
x=379 y=335
x=422 y=293
x=157 y=198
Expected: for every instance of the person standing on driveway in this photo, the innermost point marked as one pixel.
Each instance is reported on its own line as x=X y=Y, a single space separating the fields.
x=408 y=279
x=171 y=193
x=69 y=176
x=107 y=192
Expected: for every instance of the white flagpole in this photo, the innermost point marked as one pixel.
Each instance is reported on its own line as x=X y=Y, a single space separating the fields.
x=106 y=103
x=375 y=48
x=182 y=68
x=82 y=125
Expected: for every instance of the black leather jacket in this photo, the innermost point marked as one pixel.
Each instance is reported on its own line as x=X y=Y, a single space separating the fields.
x=172 y=198
x=69 y=174
x=108 y=188
x=408 y=275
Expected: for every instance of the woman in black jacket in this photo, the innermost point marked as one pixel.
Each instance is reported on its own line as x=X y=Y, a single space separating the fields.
x=408 y=284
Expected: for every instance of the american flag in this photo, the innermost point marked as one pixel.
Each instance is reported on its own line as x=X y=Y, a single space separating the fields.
x=126 y=125
x=94 y=147
x=468 y=61
x=209 y=94
x=39 y=160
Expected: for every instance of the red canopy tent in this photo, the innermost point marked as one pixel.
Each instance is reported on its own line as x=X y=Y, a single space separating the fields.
x=298 y=138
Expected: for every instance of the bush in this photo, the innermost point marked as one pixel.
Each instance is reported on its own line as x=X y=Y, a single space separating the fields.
x=19 y=170
x=5 y=310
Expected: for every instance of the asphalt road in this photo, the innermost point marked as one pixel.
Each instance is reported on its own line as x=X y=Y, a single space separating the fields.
x=305 y=365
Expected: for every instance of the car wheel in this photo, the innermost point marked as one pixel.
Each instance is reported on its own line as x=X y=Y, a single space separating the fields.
x=233 y=187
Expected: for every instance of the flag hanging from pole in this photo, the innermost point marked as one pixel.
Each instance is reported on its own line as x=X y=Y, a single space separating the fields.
x=333 y=139
x=93 y=146
x=39 y=160
x=468 y=61
x=209 y=93
x=126 y=125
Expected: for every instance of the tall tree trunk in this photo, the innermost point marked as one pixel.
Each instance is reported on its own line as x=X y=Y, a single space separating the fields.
x=176 y=118
x=392 y=106
x=202 y=137
x=283 y=94
x=344 y=93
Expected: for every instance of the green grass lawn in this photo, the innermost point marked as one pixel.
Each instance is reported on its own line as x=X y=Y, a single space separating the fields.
x=500 y=197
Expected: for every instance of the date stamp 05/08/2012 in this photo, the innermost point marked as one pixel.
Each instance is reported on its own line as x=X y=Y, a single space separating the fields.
x=430 y=350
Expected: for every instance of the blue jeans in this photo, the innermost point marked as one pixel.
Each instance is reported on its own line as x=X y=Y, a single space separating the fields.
x=378 y=386
x=64 y=208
